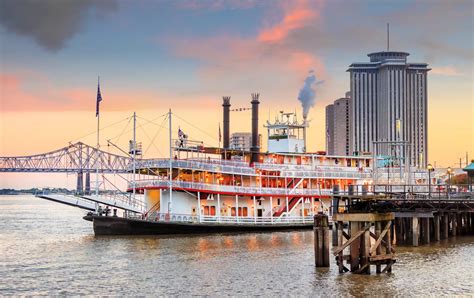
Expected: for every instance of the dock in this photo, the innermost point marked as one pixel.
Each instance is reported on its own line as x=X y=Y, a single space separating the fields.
x=367 y=228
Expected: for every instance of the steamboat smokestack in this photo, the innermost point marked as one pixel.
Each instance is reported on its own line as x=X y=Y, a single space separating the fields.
x=226 y=110
x=255 y=148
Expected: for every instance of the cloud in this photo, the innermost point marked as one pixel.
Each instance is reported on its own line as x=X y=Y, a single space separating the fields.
x=296 y=16
x=50 y=23
x=259 y=62
x=215 y=5
x=31 y=91
x=446 y=71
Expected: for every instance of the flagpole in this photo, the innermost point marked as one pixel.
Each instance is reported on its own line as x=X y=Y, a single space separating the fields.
x=97 y=146
x=170 y=203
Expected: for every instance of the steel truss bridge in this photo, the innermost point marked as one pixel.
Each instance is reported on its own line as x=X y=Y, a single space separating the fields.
x=76 y=158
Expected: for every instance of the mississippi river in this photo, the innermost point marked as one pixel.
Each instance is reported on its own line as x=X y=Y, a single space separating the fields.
x=48 y=249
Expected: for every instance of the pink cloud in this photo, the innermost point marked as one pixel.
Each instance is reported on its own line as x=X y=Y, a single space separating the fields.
x=17 y=93
x=261 y=60
x=296 y=16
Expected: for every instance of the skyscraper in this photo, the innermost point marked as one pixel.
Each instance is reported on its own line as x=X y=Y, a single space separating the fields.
x=338 y=126
x=389 y=103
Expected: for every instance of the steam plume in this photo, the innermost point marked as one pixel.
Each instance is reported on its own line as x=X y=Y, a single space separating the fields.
x=307 y=95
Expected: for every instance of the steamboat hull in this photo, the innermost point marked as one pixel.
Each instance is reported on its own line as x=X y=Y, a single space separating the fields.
x=110 y=225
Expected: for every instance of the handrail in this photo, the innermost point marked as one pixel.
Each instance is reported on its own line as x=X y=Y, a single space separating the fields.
x=243 y=168
x=230 y=188
x=241 y=220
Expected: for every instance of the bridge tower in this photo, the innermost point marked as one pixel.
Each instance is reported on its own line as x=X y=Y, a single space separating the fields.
x=80 y=175
x=87 y=188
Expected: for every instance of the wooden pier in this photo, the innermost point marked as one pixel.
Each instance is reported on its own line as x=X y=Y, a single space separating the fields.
x=367 y=228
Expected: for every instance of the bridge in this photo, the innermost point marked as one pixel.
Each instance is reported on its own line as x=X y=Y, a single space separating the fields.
x=76 y=158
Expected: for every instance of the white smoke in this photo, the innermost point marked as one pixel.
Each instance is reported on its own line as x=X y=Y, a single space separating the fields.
x=307 y=95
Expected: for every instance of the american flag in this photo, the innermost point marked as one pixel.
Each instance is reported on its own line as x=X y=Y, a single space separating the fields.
x=220 y=136
x=99 y=99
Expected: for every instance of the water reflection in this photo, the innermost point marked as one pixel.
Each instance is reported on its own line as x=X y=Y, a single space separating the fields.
x=47 y=249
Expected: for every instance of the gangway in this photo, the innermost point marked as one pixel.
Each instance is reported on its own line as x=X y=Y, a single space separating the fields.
x=70 y=200
x=113 y=202
x=89 y=202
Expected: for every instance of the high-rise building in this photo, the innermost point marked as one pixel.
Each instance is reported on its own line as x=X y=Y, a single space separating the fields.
x=389 y=103
x=242 y=141
x=338 y=126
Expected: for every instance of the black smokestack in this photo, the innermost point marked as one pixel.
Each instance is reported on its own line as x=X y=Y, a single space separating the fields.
x=226 y=110
x=255 y=148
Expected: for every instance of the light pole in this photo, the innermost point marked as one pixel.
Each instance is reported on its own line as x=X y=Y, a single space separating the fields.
x=430 y=169
x=450 y=171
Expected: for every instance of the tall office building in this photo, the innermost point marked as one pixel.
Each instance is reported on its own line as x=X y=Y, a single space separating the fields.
x=389 y=103
x=338 y=126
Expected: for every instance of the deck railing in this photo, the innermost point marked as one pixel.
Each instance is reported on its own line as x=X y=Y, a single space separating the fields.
x=242 y=168
x=243 y=220
x=163 y=183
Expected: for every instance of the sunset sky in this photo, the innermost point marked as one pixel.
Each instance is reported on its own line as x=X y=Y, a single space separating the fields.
x=185 y=55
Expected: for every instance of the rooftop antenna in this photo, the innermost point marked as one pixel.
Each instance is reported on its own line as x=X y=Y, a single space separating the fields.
x=388 y=37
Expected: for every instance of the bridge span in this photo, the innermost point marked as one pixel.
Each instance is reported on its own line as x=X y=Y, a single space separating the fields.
x=77 y=158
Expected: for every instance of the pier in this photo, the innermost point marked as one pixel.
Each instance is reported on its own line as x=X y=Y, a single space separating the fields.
x=367 y=228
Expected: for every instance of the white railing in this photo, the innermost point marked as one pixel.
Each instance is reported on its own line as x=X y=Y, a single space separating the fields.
x=162 y=183
x=242 y=168
x=233 y=168
x=328 y=174
x=244 y=220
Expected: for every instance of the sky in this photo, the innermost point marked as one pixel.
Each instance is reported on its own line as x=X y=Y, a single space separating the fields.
x=153 y=56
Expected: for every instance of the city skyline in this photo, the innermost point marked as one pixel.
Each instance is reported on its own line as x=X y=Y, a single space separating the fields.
x=186 y=55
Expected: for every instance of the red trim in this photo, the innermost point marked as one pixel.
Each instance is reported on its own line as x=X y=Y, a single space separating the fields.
x=230 y=193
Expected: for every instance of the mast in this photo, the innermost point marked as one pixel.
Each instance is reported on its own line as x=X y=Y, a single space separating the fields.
x=134 y=155
x=99 y=98
x=170 y=203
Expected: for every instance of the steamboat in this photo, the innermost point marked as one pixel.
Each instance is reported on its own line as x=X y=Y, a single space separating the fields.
x=200 y=189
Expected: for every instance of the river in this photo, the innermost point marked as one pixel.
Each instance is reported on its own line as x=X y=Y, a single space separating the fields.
x=48 y=249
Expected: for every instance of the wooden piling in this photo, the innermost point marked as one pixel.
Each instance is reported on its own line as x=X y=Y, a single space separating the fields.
x=454 y=224
x=354 y=249
x=445 y=234
x=436 y=224
x=425 y=222
x=378 y=231
x=321 y=240
x=362 y=253
x=415 y=231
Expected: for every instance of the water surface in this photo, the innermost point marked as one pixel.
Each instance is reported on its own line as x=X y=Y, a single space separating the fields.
x=48 y=249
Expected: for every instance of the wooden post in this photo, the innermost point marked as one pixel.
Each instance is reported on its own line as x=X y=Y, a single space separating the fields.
x=355 y=246
x=378 y=231
x=388 y=250
x=459 y=223
x=436 y=224
x=340 y=239
x=445 y=234
x=425 y=222
x=365 y=249
x=415 y=231
x=454 y=224
x=334 y=234
x=364 y=253
x=321 y=240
